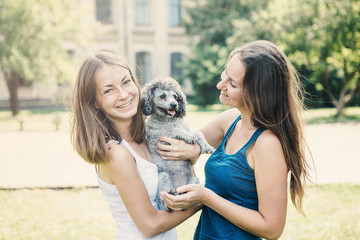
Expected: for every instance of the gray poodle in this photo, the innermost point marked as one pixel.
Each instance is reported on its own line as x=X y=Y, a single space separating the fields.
x=164 y=103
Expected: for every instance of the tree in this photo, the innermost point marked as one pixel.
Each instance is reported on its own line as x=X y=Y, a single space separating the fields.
x=322 y=37
x=210 y=24
x=32 y=33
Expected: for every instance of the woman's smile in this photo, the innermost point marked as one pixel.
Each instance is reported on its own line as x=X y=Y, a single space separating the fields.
x=125 y=105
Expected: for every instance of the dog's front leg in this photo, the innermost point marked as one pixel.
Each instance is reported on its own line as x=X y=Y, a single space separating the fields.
x=165 y=184
x=183 y=134
x=204 y=146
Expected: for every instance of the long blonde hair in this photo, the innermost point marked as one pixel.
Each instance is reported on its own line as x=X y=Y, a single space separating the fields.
x=273 y=94
x=90 y=127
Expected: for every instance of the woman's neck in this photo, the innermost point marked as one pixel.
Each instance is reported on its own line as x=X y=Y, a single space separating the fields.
x=246 y=121
x=124 y=130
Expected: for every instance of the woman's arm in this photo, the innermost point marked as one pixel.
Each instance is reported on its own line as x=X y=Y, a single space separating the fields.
x=122 y=171
x=213 y=132
x=271 y=181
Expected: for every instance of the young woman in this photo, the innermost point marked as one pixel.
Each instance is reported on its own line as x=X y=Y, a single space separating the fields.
x=259 y=142
x=108 y=130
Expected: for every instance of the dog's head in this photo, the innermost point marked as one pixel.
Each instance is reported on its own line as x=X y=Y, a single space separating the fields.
x=163 y=97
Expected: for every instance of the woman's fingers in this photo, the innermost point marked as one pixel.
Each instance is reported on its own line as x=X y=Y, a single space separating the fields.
x=178 y=149
x=174 y=202
x=184 y=200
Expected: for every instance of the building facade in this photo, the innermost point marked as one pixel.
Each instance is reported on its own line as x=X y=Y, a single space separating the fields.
x=148 y=33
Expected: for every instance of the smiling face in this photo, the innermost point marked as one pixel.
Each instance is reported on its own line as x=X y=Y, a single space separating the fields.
x=231 y=84
x=117 y=93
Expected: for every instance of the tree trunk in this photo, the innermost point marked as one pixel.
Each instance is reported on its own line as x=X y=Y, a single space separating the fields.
x=12 y=80
x=340 y=107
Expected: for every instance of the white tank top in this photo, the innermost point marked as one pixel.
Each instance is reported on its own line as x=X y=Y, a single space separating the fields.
x=125 y=225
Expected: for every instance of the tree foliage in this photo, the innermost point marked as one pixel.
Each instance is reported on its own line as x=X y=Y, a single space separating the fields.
x=320 y=37
x=32 y=35
x=210 y=25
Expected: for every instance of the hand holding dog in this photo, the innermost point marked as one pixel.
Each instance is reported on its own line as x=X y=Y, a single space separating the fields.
x=189 y=196
x=178 y=150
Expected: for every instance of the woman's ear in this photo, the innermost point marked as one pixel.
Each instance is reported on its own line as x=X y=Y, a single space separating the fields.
x=96 y=105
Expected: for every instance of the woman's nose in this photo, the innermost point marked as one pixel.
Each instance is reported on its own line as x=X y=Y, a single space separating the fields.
x=121 y=93
x=220 y=84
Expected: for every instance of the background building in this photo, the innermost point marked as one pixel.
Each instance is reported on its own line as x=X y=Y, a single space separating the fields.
x=148 y=33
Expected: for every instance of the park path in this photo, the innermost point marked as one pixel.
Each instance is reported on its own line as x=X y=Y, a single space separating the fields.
x=47 y=159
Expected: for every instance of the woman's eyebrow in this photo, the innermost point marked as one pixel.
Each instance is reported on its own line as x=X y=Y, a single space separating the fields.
x=110 y=85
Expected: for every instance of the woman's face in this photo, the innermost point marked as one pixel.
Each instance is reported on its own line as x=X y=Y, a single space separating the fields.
x=231 y=84
x=117 y=94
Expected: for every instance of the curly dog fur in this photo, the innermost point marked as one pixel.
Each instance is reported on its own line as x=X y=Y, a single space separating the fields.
x=164 y=104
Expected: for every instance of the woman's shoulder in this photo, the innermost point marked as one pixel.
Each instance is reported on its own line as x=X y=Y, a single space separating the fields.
x=226 y=118
x=268 y=139
x=267 y=143
x=118 y=152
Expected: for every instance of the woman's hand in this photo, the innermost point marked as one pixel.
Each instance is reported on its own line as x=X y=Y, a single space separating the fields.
x=190 y=195
x=178 y=150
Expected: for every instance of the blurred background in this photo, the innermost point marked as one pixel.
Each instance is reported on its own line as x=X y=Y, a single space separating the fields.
x=42 y=44
x=48 y=192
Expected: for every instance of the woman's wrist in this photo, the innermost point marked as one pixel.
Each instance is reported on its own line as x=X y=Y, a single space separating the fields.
x=197 y=152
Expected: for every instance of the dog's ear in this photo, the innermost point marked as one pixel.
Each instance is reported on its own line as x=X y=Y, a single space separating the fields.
x=147 y=103
x=181 y=103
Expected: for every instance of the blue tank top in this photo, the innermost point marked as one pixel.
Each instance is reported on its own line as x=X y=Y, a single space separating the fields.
x=231 y=177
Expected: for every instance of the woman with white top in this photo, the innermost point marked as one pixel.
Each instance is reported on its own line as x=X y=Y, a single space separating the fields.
x=108 y=130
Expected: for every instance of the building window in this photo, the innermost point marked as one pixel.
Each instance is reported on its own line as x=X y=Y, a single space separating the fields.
x=142 y=12
x=104 y=11
x=175 y=13
x=143 y=70
x=176 y=64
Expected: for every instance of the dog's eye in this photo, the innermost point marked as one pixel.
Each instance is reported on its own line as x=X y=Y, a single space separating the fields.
x=176 y=97
x=163 y=96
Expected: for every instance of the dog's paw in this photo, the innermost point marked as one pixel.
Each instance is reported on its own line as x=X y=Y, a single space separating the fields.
x=206 y=149
x=173 y=192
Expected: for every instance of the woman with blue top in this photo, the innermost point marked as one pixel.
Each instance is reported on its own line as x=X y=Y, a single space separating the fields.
x=259 y=142
x=108 y=130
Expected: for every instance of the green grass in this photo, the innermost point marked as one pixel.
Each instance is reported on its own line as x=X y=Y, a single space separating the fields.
x=332 y=212
x=42 y=120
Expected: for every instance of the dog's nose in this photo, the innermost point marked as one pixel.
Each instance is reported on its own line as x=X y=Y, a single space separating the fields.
x=173 y=105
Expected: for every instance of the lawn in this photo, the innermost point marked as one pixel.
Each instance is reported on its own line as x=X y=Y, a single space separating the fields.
x=332 y=212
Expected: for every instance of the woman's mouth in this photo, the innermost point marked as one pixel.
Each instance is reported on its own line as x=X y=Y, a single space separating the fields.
x=125 y=105
x=224 y=94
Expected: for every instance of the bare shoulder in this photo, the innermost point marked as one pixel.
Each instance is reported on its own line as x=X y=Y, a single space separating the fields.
x=268 y=146
x=119 y=156
x=226 y=118
x=268 y=140
x=215 y=130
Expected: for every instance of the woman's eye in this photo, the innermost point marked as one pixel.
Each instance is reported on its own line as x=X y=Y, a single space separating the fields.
x=232 y=84
x=126 y=82
x=108 y=91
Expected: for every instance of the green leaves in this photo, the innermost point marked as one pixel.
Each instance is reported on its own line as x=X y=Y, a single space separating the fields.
x=33 y=33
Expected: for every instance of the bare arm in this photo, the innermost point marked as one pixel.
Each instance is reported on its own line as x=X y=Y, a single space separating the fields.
x=271 y=181
x=213 y=132
x=122 y=171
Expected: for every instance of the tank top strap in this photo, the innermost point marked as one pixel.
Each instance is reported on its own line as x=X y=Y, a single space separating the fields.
x=253 y=138
x=131 y=150
x=232 y=126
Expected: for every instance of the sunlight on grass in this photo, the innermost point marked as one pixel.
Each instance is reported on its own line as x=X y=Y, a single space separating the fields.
x=332 y=212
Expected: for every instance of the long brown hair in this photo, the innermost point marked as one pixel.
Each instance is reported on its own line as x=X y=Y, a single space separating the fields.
x=90 y=127
x=274 y=95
